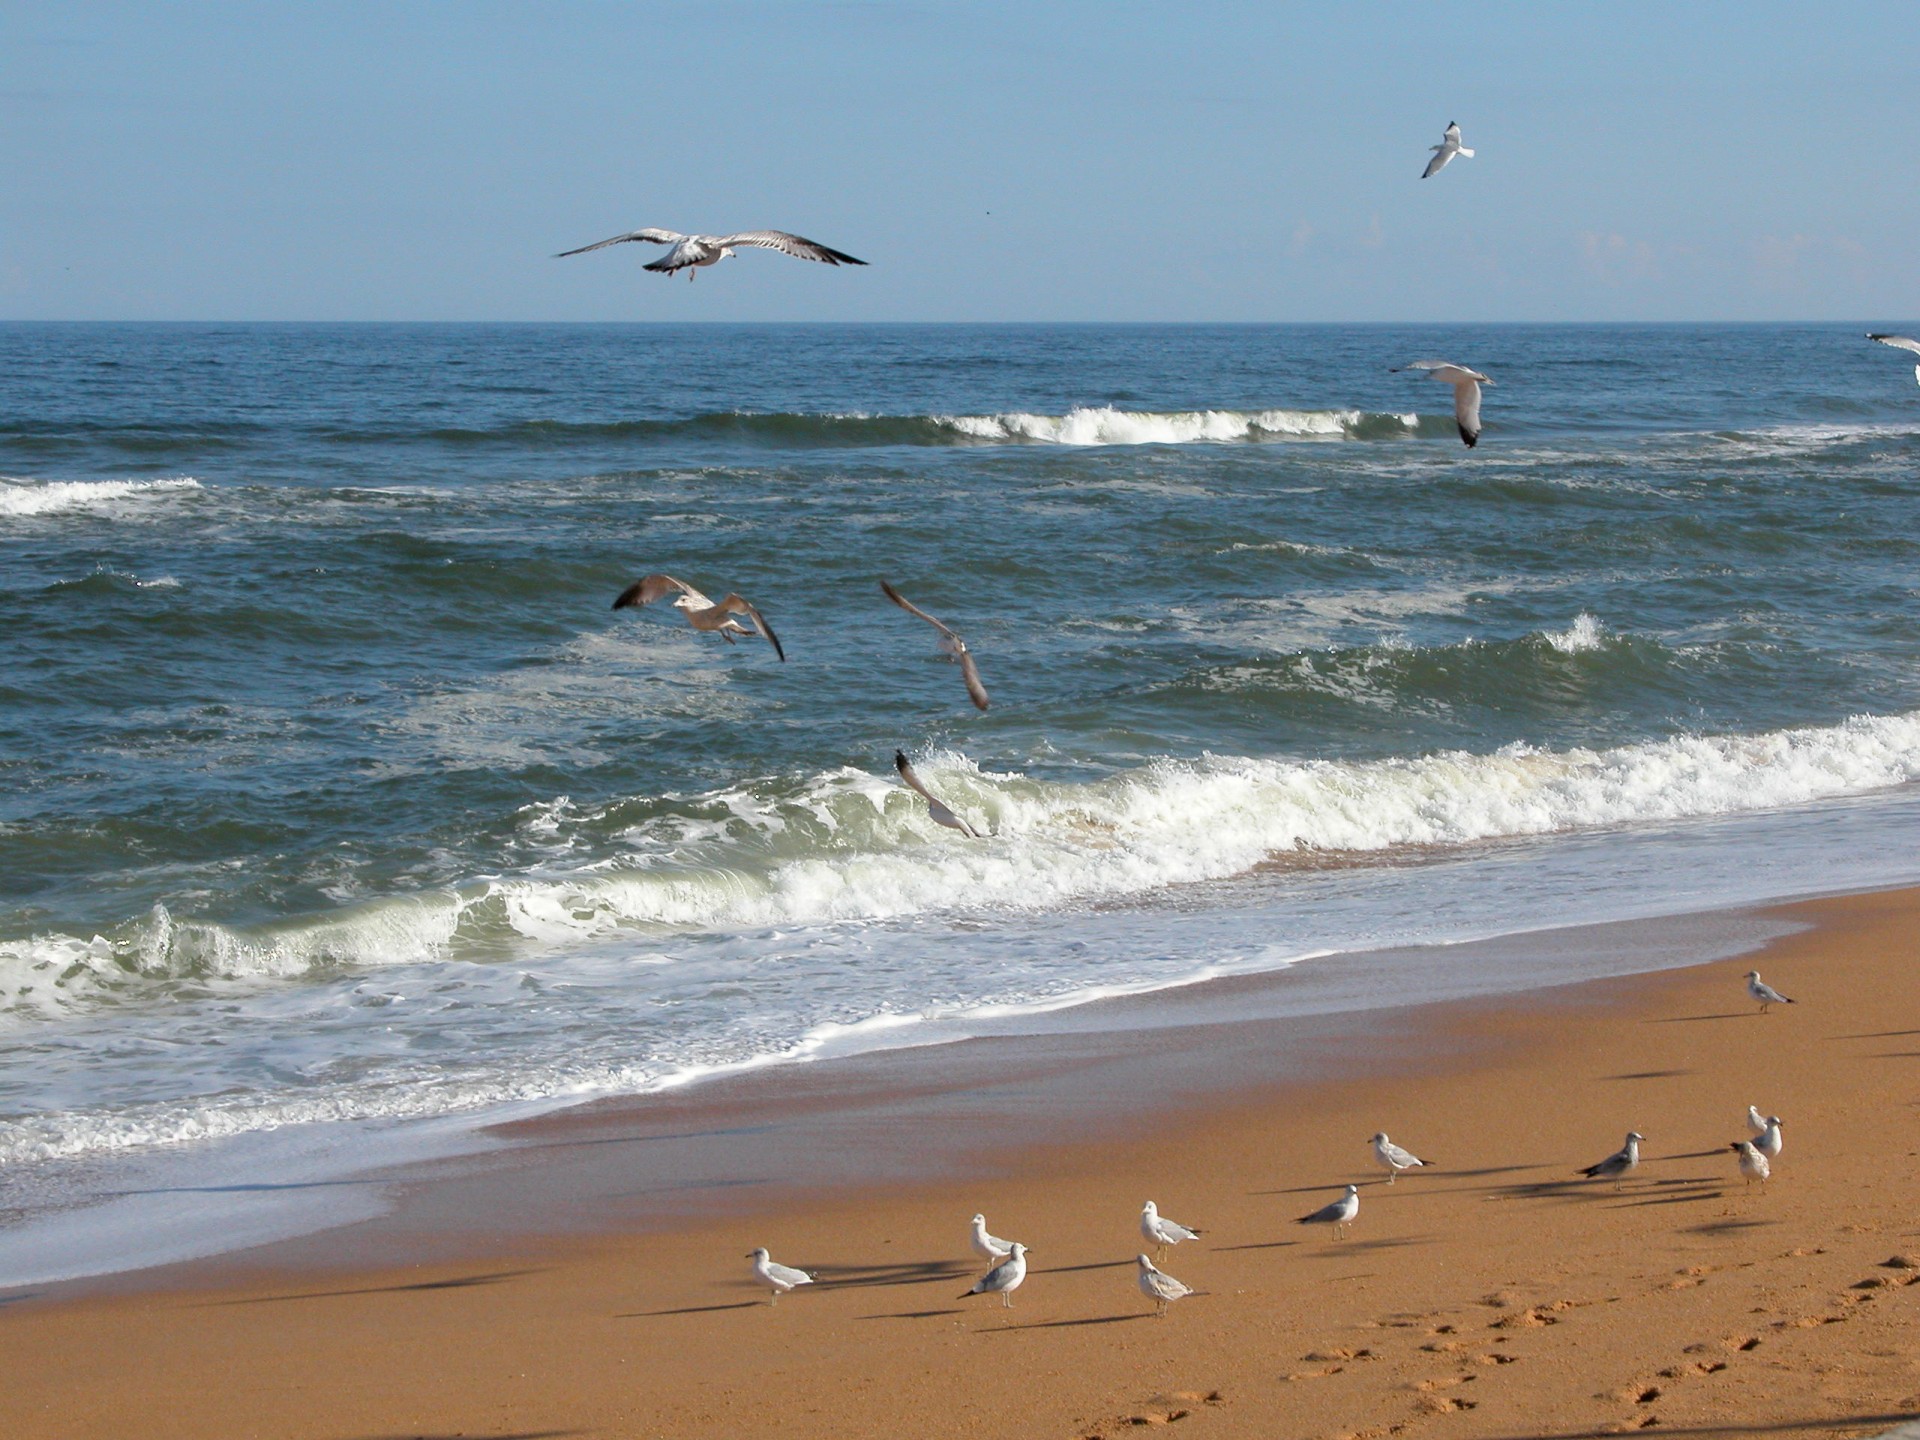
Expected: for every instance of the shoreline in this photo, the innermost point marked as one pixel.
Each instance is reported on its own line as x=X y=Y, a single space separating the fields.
x=1459 y=1303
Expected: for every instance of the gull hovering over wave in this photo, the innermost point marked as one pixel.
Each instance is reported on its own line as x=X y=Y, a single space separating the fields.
x=1394 y=1158
x=702 y=613
x=776 y=1277
x=1448 y=147
x=692 y=253
x=1339 y=1214
x=1899 y=342
x=989 y=1247
x=1004 y=1278
x=1764 y=993
x=940 y=813
x=1161 y=1231
x=949 y=644
x=1466 y=393
x=1617 y=1166
x=1158 y=1286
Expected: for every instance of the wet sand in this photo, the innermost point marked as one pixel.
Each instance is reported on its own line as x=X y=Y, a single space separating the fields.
x=591 y=1281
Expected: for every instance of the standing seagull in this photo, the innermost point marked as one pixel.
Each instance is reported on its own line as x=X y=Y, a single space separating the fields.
x=702 y=613
x=692 y=253
x=989 y=1247
x=1339 y=1214
x=1763 y=992
x=1466 y=393
x=1769 y=1142
x=776 y=1277
x=1448 y=147
x=1161 y=1231
x=1757 y=1122
x=1899 y=342
x=1753 y=1164
x=950 y=645
x=1004 y=1278
x=1159 y=1287
x=1617 y=1166
x=940 y=813
x=1393 y=1158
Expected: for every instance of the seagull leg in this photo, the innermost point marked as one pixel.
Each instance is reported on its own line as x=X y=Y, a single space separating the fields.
x=1006 y=1299
x=1392 y=1175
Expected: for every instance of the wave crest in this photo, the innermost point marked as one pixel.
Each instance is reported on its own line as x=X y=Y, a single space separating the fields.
x=53 y=497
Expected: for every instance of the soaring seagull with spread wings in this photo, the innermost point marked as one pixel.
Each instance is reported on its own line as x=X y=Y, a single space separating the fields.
x=950 y=644
x=1466 y=393
x=1448 y=147
x=1900 y=342
x=694 y=252
x=702 y=613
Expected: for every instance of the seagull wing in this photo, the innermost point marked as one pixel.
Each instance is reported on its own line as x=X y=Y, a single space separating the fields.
x=1466 y=410
x=654 y=237
x=1401 y=1156
x=1899 y=342
x=913 y=609
x=649 y=588
x=941 y=814
x=787 y=1274
x=737 y=604
x=798 y=246
x=969 y=672
x=1441 y=155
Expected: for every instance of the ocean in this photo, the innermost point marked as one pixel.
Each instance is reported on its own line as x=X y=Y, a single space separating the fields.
x=340 y=813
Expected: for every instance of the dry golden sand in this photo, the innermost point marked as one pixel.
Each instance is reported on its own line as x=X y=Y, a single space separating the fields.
x=1492 y=1296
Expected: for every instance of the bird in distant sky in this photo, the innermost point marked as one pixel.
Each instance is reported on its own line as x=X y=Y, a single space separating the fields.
x=1448 y=147
x=694 y=252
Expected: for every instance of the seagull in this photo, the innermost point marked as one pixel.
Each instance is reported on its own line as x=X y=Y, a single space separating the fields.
x=1339 y=1214
x=1753 y=1164
x=1161 y=1231
x=692 y=253
x=940 y=813
x=1617 y=1166
x=776 y=1277
x=702 y=613
x=1448 y=147
x=1466 y=393
x=1004 y=1278
x=1763 y=992
x=989 y=1247
x=1899 y=342
x=1769 y=1143
x=1756 y=1122
x=949 y=644
x=1393 y=1158
x=1159 y=1287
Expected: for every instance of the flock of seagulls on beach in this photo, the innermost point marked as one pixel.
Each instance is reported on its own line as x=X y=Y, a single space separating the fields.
x=1007 y=1259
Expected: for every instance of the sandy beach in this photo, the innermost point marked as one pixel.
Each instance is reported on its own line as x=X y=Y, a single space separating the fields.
x=1495 y=1294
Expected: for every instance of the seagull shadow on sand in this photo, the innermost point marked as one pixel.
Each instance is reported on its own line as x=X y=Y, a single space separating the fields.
x=691 y=1310
x=912 y=1315
x=1069 y=1324
x=458 y=1282
x=905 y=1272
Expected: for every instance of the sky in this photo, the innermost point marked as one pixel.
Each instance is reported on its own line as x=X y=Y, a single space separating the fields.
x=994 y=162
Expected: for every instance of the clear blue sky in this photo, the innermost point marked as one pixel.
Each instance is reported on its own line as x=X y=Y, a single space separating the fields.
x=422 y=161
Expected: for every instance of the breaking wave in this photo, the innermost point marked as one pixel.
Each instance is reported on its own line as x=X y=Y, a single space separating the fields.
x=53 y=497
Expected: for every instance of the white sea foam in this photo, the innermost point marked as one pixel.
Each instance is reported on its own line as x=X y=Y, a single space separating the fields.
x=1104 y=425
x=53 y=497
x=1586 y=633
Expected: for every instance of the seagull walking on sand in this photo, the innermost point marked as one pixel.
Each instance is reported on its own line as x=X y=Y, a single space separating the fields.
x=1004 y=1278
x=1900 y=342
x=1159 y=1287
x=989 y=1247
x=702 y=613
x=1340 y=1214
x=1466 y=393
x=1444 y=152
x=1764 y=993
x=940 y=813
x=693 y=253
x=1617 y=1166
x=1753 y=1164
x=1769 y=1142
x=1394 y=1158
x=950 y=644
x=776 y=1277
x=1161 y=1231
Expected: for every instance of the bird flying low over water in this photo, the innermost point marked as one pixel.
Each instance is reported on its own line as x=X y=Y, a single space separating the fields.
x=702 y=613
x=695 y=252
x=1448 y=147
x=949 y=643
x=1899 y=342
x=1466 y=393
x=940 y=813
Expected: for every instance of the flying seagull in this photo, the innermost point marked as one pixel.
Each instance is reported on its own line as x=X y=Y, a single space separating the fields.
x=1448 y=147
x=949 y=644
x=694 y=252
x=940 y=813
x=1004 y=1278
x=1466 y=393
x=1158 y=1286
x=1899 y=342
x=1339 y=1214
x=1617 y=1166
x=1393 y=1158
x=702 y=613
x=989 y=1247
x=776 y=1277
x=1763 y=992
x=1161 y=1231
